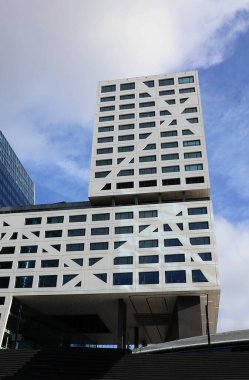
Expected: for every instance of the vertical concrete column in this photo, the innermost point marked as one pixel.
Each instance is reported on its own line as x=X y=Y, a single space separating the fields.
x=121 y=324
x=136 y=336
x=5 y=305
x=189 y=316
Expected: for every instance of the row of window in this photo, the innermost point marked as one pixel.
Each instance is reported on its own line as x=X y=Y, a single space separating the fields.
x=142 y=136
x=127 y=106
x=186 y=90
x=149 y=83
x=131 y=148
x=128 y=116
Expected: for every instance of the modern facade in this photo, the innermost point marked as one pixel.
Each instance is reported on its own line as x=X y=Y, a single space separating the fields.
x=136 y=263
x=16 y=186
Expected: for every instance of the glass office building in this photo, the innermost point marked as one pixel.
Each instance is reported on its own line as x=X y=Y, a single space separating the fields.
x=16 y=186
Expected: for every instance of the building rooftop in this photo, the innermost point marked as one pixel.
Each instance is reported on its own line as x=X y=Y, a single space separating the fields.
x=46 y=207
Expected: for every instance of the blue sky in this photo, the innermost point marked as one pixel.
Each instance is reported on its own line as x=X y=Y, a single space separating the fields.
x=53 y=52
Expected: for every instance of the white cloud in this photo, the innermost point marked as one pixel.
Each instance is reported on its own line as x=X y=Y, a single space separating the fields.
x=233 y=256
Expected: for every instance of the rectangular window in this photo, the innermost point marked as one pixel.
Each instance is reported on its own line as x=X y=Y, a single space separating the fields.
x=4 y=282
x=184 y=80
x=75 y=247
x=101 y=174
x=122 y=149
x=168 y=133
x=125 y=127
x=77 y=218
x=100 y=231
x=102 y=140
x=204 y=240
x=194 y=180
x=105 y=151
x=171 y=181
x=151 y=124
x=98 y=217
x=192 y=155
x=147 y=158
x=149 y=183
x=171 y=169
x=107 y=99
x=191 y=143
x=99 y=246
x=125 y=185
x=167 y=92
x=147 y=114
x=146 y=104
x=175 y=276
x=29 y=249
x=125 y=137
x=186 y=90
x=148 y=214
x=125 y=172
x=49 y=281
x=53 y=234
x=166 y=82
x=107 y=108
x=126 y=97
x=178 y=258
x=50 y=263
x=172 y=243
x=193 y=167
x=24 y=282
x=7 y=250
x=55 y=219
x=106 y=118
x=108 y=128
x=104 y=162
x=126 y=106
x=198 y=226
x=146 y=171
x=127 y=116
x=26 y=264
x=169 y=145
x=31 y=221
x=197 y=210
x=124 y=215
x=151 y=259
x=108 y=88
x=6 y=264
x=123 y=260
x=171 y=156
x=148 y=243
x=76 y=232
x=127 y=86
x=148 y=278
x=124 y=230
x=122 y=278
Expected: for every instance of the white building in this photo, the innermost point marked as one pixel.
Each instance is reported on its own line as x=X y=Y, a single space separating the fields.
x=136 y=263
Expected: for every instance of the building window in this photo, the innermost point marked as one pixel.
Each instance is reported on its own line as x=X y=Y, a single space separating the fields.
x=194 y=180
x=122 y=278
x=102 y=140
x=170 y=169
x=107 y=108
x=193 y=120
x=170 y=101
x=55 y=219
x=7 y=250
x=150 y=183
x=99 y=217
x=49 y=263
x=126 y=106
x=29 y=249
x=2 y=300
x=94 y=260
x=171 y=156
x=198 y=276
x=109 y=128
x=127 y=116
x=172 y=242
x=171 y=181
x=77 y=218
x=106 y=118
x=126 y=97
x=186 y=90
x=124 y=230
x=148 y=214
x=146 y=171
x=192 y=155
x=148 y=278
x=167 y=228
x=102 y=174
x=125 y=172
x=151 y=124
x=24 y=282
x=125 y=137
x=165 y=113
x=151 y=259
x=143 y=136
x=123 y=260
x=26 y=264
x=186 y=132
x=76 y=232
x=146 y=104
x=108 y=88
x=147 y=158
x=203 y=240
x=147 y=114
x=183 y=100
x=100 y=231
x=197 y=210
x=124 y=185
x=191 y=143
x=104 y=162
x=169 y=145
x=193 y=167
x=178 y=258
x=190 y=110
x=122 y=149
x=175 y=276
x=53 y=234
x=124 y=215
x=104 y=150
x=127 y=86
x=148 y=243
x=149 y=83
x=49 y=281
x=107 y=99
x=99 y=246
x=125 y=127
x=31 y=221
x=205 y=256
x=150 y=147
x=4 y=282
x=168 y=133
x=166 y=92
x=166 y=82
x=6 y=264
x=184 y=80
x=144 y=95
x=75 y=247
x=198 y=226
